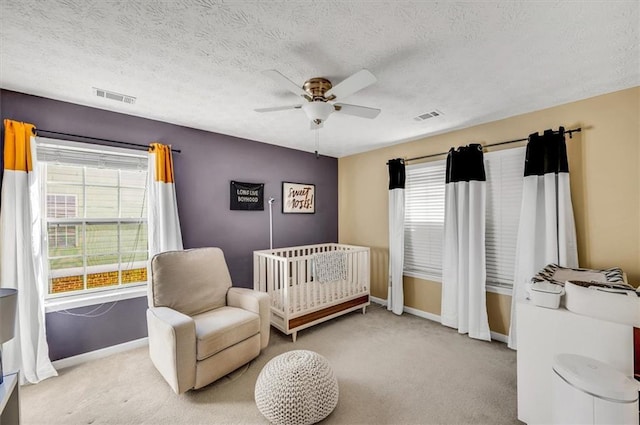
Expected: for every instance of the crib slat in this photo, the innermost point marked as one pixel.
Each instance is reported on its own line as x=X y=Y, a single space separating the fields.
x=302 y=281
x=344 y=286
x=275 y=268
x=314 y=284
x=359 y=270
x=263 y=274
x=256 y=272
x=273 y=271
x=366 y=268
x=299 y=288
x=322 y=291
x=293 y=284
x=356 y=273
x=284 y=282
x=269 y=275
x=355 y=277
x=308 y=284
x=346 y=283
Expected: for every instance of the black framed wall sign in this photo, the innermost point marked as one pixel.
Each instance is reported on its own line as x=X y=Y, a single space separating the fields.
x=247 y=196
x=298 y=198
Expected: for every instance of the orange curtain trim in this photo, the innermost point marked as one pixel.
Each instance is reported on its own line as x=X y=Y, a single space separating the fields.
x=17 y=145
x=164 y=162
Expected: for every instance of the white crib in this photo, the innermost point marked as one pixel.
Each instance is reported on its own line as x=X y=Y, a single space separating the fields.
x=298 y=299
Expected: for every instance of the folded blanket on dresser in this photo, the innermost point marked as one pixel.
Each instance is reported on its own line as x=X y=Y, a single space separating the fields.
x=611 y=278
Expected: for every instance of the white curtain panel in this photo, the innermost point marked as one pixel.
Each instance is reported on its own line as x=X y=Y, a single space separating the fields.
x=546 y=232
x=164 y=223
x=395 y=295
x=464 y=259
x=22 y=264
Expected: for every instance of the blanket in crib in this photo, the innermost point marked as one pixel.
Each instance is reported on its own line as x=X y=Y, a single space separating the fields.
x=330 y=266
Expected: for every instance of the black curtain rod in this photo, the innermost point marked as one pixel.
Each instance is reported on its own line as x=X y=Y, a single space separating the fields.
x=575 y=130
x=97 y=139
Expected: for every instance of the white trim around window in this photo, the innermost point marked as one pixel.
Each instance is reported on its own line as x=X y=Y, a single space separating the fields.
x=423 y=276
x=94 y=298
x=114 y=169
x=496 y=289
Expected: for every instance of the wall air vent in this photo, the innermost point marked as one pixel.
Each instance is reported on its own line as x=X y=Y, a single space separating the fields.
x=114 y=96
x=432 y=114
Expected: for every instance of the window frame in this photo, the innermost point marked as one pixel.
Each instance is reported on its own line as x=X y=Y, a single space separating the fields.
x=91 y=296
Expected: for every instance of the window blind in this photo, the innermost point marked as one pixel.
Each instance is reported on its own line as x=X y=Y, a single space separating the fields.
x=83 y=154
x=424 y=218
x=504 y=198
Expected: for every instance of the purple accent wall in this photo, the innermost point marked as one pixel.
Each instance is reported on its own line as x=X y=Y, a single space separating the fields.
x=90 y=328
x=203 y=170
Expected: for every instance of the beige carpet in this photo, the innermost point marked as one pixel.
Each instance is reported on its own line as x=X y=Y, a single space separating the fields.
x=391 y=370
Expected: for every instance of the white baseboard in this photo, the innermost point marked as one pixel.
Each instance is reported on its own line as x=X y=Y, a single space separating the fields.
x=499 y=337
x=434 y=317
x=377 y=300
x=423 y=314
x=98 y=354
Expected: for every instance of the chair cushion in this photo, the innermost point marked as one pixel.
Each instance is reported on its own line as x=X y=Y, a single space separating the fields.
x=190 y=281
x=223 y=327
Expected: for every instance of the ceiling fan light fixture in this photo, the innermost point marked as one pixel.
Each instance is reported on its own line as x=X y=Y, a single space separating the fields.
x=318 y=111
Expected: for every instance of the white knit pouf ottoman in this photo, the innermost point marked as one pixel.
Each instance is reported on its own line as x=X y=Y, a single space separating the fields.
x=296 y=388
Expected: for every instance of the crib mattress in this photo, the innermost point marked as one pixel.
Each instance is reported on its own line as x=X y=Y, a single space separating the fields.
x=311 y=295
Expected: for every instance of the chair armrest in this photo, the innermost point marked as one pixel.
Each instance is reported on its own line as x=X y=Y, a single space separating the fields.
x=256 y=302
x=172 y=346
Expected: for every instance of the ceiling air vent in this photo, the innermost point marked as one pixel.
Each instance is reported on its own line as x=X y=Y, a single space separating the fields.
x=432 y=114
x=114 y=96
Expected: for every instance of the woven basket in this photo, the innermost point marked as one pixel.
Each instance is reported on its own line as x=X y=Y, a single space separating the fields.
x=296 y=388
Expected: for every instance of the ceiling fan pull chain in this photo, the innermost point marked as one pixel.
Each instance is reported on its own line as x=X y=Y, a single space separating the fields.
x=317 y=142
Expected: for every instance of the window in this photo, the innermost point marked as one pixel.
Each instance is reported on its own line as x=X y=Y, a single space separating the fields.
x=95 y=224
x=424 y=219
x=61 y=206
x=505 y=177
x=424 y=216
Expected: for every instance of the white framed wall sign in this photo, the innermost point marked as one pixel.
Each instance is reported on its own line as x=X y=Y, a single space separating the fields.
x=298 y=198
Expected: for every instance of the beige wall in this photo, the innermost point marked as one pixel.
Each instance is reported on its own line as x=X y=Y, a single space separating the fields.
x=604 y=162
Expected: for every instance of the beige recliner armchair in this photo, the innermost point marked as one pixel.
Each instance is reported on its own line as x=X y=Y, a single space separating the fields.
x=201 y=328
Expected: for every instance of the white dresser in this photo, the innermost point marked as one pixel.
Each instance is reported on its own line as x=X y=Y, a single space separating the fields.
x=543 y=333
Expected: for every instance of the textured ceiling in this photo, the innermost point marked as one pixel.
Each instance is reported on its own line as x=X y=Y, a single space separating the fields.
x=198 y=63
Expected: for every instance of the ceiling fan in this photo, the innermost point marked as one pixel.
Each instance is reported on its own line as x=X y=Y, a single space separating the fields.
x=321 y=94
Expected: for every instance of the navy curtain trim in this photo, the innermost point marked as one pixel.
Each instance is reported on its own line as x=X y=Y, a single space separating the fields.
x=546 y=153
x=396 y=174
x=465 y=164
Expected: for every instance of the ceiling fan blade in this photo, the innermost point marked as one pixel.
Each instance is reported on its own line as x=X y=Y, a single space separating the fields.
x=278 y=108
x=358 y=111
x=352 y=84
x=284 y=82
